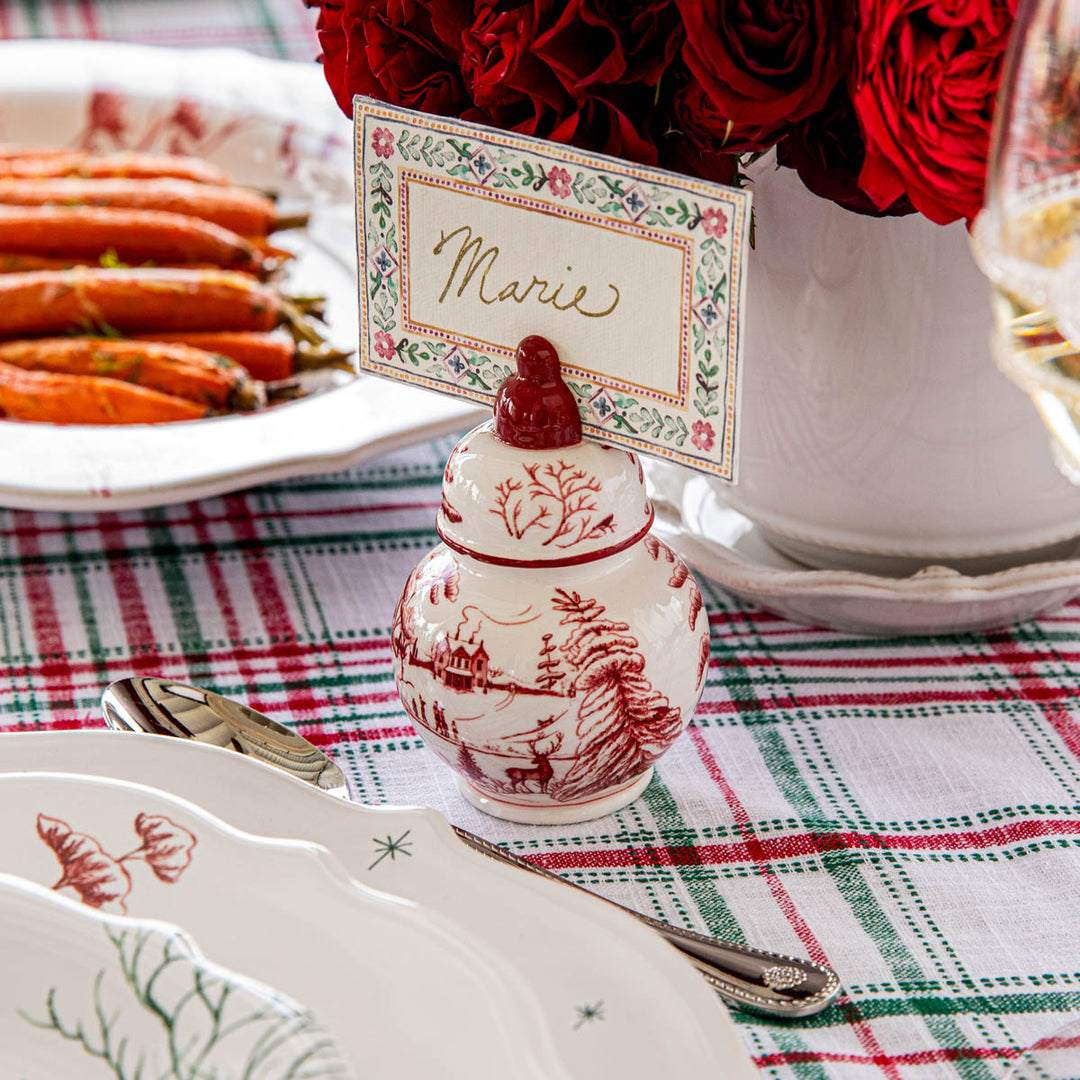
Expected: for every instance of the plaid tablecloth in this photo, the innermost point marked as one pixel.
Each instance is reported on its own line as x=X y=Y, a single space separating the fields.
x=906 y=810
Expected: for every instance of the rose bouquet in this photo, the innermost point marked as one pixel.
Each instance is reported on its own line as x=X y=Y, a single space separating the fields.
x=882 y=106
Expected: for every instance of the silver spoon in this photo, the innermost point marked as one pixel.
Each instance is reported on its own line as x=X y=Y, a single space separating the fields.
x=753 y=979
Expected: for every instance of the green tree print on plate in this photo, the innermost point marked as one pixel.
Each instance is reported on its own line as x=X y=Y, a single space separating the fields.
x=162 y=1014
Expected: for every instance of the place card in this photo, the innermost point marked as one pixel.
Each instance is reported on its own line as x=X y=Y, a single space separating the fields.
x=470 y=239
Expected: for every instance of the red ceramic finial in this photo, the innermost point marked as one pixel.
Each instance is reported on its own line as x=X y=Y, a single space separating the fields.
x=535 y=409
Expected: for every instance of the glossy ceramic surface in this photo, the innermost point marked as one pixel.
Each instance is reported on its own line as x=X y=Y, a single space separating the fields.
x=695 y=519
x=875 y=427
x=570 y=950
x=269 y=123
x=361 y=964
x=548 y=507
x=551 y=648
x=142 y=996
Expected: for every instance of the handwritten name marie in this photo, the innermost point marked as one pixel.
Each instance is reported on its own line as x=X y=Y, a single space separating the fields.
x=473 y=260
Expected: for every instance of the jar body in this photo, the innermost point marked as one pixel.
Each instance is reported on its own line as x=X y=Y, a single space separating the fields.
x=551 y=690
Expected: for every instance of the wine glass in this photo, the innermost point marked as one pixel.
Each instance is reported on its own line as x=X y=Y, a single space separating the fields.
x=1027 y=237
x=1056 y=1057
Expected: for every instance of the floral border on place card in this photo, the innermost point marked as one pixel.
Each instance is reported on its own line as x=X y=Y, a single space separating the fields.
x=679 y=401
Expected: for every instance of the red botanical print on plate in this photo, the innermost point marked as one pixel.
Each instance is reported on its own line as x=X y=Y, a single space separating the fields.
x=178 y=127
x=100 y=878
x=557 y=499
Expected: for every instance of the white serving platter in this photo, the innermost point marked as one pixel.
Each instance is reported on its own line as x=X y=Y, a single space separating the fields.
x=613 y=998
x=272 y=124
x=88 y=995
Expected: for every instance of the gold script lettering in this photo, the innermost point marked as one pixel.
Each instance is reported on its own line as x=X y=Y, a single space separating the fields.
x=472 y=254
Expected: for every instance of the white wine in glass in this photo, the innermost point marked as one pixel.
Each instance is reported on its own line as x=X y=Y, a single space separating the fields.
x=1027 y=237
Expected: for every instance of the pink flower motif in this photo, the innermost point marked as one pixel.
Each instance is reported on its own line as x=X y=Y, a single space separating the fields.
x=95 y=875
x=714 y=222
x=382 y=142
x=188 y=117
x=703 y=435
x=384 y=344
x=559 y=182
x=105 y=116
x=166 y=846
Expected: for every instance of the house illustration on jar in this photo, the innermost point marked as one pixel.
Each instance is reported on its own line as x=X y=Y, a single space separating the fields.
x=461 y=665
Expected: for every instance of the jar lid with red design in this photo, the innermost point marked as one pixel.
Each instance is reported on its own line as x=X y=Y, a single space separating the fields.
x=527 y=489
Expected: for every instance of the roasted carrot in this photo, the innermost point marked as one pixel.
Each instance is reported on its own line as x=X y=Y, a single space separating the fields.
x=237 y=209
x=173 y=369
x=87 y=399
x=59 y=301
x=126 y=163
x=136 y=236
x=16 y=262
x=266 y=357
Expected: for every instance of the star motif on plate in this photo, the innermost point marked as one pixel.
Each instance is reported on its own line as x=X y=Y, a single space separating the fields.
x=587 y=1014
x=391 y=847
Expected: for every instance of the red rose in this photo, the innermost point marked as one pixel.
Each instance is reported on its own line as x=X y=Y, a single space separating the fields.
x=506 y=81
x=691 y=144
x=523 y=73
x=765 y=64
x=827 y=151
x=925 y=86
x=593 y=42
x=405 y=52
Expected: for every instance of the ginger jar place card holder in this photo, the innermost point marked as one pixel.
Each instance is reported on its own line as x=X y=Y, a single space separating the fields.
x=550 y=649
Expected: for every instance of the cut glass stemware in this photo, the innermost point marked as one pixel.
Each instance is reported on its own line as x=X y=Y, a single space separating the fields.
x=1027 y=237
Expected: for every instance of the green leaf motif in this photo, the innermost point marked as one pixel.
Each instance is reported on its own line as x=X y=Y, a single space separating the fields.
x=532 y=177
x=655 y=424
x=712 y=257
x=382 y=312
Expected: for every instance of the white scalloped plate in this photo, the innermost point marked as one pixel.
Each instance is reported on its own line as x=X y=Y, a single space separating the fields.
x=726 y=546
x=270 y=123
x=286 y=913
x=138 y=990
x=613 y=998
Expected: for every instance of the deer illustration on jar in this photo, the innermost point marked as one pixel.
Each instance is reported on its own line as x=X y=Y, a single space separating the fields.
x=550 y=649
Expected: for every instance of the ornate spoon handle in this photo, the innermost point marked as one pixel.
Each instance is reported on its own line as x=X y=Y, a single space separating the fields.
x=753 y=979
